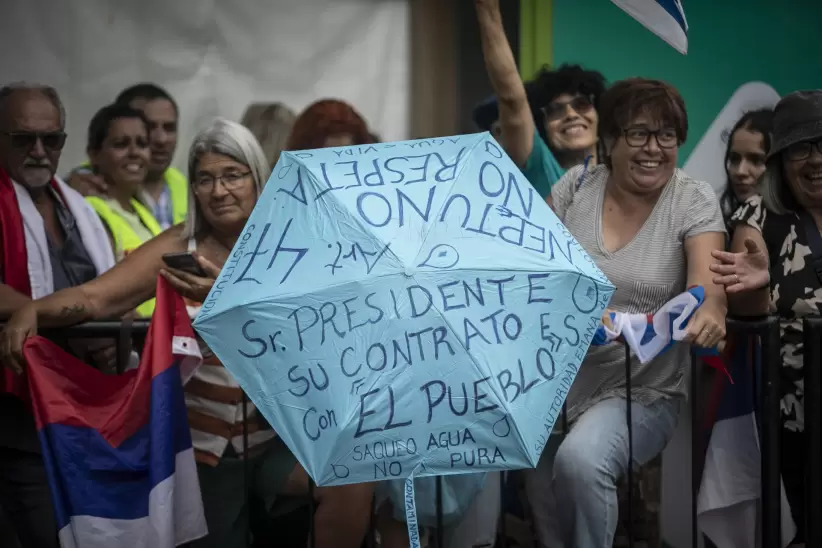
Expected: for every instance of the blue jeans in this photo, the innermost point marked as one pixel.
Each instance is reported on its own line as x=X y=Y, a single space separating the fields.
x=573 y=491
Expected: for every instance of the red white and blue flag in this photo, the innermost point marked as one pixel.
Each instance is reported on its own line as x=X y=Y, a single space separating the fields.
x=729 y=496
x=665 y=18
x=117 y=449
x=649 y=335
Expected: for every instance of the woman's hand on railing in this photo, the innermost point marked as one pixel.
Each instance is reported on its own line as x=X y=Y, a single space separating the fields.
x=21 y=326
x=744 y=271
x=188 y=285
x=706 y=328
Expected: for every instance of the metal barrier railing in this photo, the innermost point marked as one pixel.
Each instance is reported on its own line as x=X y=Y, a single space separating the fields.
x=812 y=331
x=766 y=388
x=766 y=393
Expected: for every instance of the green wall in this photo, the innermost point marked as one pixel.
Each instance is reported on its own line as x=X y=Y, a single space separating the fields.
x=731 y=42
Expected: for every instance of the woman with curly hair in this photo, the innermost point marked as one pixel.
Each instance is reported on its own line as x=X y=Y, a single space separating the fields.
x=548 y=125
x=328 y=123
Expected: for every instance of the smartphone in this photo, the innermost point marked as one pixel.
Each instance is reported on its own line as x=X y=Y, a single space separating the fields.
x=184 y=261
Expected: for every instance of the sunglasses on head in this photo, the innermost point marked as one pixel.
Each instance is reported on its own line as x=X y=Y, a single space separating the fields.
x=556 y=109
x=27 y=139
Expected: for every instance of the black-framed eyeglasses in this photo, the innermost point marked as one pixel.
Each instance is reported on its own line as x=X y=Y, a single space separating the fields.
x=802 y=151
x=26 y=140
x=555 y=110
x=231 y=181
x=638 y=137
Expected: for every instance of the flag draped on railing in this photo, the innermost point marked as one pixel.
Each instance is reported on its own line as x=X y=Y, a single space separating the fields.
x=729 y=496
x=117 y=449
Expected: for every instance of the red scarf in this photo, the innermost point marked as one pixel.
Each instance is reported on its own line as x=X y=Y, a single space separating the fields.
x=13 y=265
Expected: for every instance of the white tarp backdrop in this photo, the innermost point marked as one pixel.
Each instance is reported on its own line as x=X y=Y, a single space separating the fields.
x=214 y=57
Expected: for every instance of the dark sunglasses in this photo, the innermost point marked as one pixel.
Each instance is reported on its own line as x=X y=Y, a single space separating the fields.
x=27 y=140
x=556 y=109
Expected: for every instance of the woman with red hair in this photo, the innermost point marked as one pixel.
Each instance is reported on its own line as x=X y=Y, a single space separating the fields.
x=328 y=123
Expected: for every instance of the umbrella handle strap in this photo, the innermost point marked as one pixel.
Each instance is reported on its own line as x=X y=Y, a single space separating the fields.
x=411 y=513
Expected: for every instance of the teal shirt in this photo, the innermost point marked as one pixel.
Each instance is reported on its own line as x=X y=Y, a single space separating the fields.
x=541 y=169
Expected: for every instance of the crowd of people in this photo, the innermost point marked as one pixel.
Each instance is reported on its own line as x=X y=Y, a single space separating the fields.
x=603 y=156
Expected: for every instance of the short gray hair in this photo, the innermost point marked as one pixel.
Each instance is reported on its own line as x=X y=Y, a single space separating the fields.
x=47 y=91
x=773 y=187
x=230 y=139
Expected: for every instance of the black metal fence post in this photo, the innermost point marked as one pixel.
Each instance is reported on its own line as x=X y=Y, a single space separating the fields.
x=812 y=331
x=124 y=345
x=440 y=532
x=770 y=362
x=371 y=540
x=246 y=471
x=502 y=533
x=771 y=424
x=697 y=452
x=630 y=471
x=312 y=538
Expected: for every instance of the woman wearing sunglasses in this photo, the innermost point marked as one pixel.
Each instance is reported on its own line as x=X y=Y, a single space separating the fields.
x=552 y=126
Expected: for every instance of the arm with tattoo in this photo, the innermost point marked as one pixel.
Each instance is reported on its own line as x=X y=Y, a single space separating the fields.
x=64 y=308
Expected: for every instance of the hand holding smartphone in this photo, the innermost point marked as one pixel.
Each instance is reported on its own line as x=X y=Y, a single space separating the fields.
x=185 y=261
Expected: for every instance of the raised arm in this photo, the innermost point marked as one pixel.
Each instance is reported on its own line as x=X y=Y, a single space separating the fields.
x=516 y=121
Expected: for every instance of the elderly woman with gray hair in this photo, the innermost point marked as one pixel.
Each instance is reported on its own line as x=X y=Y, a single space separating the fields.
x=227 y=170
x=775 y=264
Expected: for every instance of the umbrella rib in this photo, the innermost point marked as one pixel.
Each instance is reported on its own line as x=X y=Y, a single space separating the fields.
x=445 y=201
x=343 y=211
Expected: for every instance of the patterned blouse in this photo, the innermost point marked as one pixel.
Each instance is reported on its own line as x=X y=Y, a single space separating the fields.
x=795 y=292
x=215 y=410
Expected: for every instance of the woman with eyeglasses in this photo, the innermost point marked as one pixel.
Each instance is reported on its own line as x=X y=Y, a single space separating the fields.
x=553 y=126
x=651 y=229
x=227 y=170
x=118 y=152
x=775 y=265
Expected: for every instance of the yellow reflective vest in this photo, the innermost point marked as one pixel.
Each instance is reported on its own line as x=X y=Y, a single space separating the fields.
x=125 y=238
x=178 y=191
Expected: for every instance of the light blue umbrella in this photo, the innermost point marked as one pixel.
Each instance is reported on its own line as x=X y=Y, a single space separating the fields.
x=405 y=309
